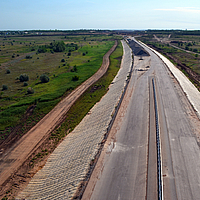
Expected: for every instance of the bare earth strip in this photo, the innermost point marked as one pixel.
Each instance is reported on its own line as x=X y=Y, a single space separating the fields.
x=68 y=165
x=17 y=155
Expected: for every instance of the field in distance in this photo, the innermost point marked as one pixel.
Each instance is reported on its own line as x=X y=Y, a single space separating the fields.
x=181 y=47
x=37 y=72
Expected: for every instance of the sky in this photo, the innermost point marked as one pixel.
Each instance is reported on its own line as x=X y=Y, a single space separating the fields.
x=99 y=14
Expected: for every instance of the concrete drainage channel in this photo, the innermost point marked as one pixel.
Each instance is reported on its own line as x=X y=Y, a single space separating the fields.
x=159 y=170
x=67 y=170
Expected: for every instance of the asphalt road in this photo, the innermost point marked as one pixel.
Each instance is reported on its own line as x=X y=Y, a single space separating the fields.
x=126 y=167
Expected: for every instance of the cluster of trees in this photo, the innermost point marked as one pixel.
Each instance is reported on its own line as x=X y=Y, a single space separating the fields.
x=187 y=45
x=58 y=46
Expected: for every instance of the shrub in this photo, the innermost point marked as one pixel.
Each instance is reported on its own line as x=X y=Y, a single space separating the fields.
x=23 y=77
x=75 y=78
x=63 y=60
x=42 y=49
x=44 y=78
x=30 y=90
x=83 y=54
x=25 y=84
x=28 y=57
x=7 y=71
x=74 y=69
x=58 y=46
x=69 y=54
x=4 y=87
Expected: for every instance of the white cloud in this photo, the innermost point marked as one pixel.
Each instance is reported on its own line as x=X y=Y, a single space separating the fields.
x=181 y=9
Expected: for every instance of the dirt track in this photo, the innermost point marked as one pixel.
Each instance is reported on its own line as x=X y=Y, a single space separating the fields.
x=11 y=161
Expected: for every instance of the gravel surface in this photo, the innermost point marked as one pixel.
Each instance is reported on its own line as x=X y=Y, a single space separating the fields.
x=69 y=163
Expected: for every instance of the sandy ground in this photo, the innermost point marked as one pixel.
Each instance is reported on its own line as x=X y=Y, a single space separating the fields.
x=14 y=157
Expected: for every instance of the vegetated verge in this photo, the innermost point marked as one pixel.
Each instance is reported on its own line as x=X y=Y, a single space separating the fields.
x=186 y=62
x=28 y=100
x=73 y=117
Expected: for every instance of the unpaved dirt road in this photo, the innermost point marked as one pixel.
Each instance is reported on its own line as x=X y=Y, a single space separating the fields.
x=14 y=157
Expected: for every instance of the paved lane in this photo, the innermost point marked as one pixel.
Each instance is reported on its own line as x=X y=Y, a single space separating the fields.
x=124 y=160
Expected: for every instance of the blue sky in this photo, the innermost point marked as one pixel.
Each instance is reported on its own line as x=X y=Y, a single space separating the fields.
x=99 y=14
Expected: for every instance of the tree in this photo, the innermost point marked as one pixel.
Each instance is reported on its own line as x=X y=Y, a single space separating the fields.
x=195 y=50
x=4 y=87
x=42 y=49
x=25 y=84
x=58 y=46
x=75 y=78
x=44 y=78
x=7 y=71
x=74 y=69
x=30 y=90
x=23 y=77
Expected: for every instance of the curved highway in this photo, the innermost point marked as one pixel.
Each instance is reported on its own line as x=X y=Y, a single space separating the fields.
x=127 y=167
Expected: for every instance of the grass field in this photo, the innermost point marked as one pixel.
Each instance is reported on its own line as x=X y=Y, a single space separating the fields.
x=90 y=97
x=81 y=107
x=59 y=67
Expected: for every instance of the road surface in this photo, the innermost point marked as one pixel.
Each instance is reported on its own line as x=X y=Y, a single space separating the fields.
x=127 y=166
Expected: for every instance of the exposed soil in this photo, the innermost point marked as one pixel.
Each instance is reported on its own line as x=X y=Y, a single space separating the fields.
x=16 y=163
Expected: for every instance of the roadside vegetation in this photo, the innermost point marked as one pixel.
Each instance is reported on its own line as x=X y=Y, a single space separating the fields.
x=37 y=72
x=82 y=63
x=81 y=106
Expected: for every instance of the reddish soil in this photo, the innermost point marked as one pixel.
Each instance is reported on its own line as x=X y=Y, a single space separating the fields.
x=15 y=171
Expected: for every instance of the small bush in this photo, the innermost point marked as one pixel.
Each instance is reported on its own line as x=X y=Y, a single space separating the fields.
x=63 y=60
x=42 y=49
x=25 y=84
x=30 y=90
x=44 y=78
x=4 y=87
x=28 y=57
x=75 y=78
x=23 y=77
x=83 y=54
x=69 y=54
x=74 y=69
x=7 y=71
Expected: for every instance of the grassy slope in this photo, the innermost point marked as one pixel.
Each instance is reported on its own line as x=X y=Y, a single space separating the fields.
x=82 y=106
x=90 y=97
x=47 y=95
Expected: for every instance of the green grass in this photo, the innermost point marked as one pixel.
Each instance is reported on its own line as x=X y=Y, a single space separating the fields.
x=89 y=98
x=14 y=102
